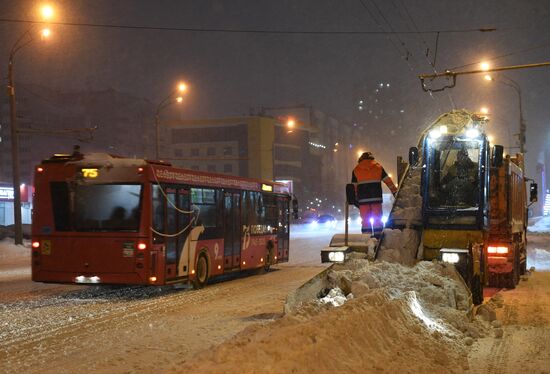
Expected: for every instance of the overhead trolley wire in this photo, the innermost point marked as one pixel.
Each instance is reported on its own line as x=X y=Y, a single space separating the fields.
x=245 y=31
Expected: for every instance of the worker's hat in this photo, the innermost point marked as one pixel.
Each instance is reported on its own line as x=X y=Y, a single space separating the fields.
x=366 y=156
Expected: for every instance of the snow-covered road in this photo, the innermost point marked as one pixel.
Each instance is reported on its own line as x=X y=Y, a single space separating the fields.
x=52 y=328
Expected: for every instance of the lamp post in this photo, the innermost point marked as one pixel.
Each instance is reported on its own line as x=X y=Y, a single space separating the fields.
x=166 y=102
x=25 y=39
x=522 y=125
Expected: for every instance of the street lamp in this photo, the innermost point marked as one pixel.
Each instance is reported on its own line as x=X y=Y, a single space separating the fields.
x=522 y=126
x=25 y=39
x=174 y=97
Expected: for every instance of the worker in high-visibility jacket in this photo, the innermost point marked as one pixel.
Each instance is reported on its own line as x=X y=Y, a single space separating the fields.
x=368 y=176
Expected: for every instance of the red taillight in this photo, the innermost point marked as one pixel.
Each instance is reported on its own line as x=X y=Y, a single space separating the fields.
x=141 y=246
x=39 y=169
x=35 y=244
x=497 y=250
x=140 y=170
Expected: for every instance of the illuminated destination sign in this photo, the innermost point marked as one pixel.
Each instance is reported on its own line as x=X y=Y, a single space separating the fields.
x=90 y=173
x=6 y=193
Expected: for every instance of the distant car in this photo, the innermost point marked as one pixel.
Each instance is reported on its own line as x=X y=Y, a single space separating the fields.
x=327 y=220
x=308 y=217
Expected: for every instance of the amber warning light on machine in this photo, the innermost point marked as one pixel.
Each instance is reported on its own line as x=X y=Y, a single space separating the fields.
x=90 y=173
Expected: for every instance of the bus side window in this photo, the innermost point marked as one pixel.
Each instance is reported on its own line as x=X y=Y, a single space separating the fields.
x=158 y=213
x=244 y=208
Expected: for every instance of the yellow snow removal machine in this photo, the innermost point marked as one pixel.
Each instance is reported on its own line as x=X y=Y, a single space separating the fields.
x=459 y=201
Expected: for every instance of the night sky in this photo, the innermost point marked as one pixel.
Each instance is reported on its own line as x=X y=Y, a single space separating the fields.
x=229 y=73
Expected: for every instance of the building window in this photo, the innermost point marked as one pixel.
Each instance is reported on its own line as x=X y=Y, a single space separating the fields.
x=211 y=168
x=227 y=151
x=178 y=153
x=211 y=151
x=195 y=167
x=194 y=151
x=227 y=168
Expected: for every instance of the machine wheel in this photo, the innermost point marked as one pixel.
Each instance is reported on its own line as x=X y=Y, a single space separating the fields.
x=512 y=278
x=201 y=275
x=477 y=290
x=523 y=268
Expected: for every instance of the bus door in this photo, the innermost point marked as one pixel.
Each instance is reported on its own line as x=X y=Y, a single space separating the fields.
x=171 y=228
x=232 y=230
x=177 y=229
x=284 y=229
x=184 y=219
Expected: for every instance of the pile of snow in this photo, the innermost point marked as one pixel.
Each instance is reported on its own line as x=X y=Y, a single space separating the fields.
x=541 y=226
x=335 y=297
x=398 y=317
x=400 y=246
x=105 y=160
x=8 y=250
x=539 y=258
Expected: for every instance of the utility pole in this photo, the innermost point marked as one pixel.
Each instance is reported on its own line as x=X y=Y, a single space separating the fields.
x=18 y=222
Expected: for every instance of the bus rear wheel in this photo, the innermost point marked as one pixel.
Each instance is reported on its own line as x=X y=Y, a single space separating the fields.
x=201 y=273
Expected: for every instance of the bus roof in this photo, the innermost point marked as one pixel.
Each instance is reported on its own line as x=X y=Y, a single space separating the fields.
x=164 y=172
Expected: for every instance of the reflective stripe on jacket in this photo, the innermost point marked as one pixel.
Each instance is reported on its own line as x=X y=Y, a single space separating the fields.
x=368 y=174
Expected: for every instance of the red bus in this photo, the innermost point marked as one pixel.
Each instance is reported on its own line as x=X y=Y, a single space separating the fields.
x=100 y=218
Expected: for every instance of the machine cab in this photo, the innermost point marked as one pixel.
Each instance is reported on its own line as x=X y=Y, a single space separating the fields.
x=455 y=178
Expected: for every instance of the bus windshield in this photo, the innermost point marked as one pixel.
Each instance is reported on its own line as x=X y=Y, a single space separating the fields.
x=97 y=207
x=453 y=175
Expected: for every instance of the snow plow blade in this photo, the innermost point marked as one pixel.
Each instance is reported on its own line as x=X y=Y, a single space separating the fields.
x=307 y=292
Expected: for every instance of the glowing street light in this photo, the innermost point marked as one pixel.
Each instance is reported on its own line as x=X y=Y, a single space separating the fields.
x=45 y=33
x=484 y=110
x=47 y=12
x=290 y=123
x=166 y=102
x=487 y=77
x=28 y=37
x=484 y=66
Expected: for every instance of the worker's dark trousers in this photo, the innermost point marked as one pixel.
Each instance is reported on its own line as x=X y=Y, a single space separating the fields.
x=374 y=211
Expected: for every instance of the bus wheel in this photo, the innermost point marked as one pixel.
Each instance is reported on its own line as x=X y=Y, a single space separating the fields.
x=201 y=275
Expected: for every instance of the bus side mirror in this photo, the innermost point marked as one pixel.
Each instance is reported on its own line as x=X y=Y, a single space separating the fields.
x=295 y=208
x=350 y=194
x=533 y=192
x=498 y=152
x=413 y=156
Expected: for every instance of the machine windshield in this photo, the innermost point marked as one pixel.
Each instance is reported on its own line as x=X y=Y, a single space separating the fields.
x=98 y=207
x=453 y=174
